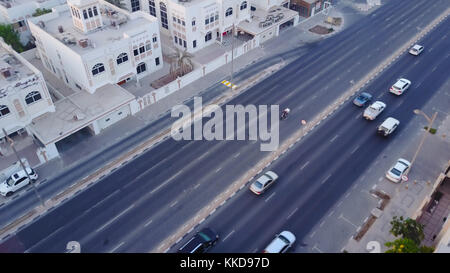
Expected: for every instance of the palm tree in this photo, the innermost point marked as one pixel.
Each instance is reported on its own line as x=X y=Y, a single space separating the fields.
x=180 y=63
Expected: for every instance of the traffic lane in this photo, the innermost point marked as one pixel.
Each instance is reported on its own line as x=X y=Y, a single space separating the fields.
x=308 y=215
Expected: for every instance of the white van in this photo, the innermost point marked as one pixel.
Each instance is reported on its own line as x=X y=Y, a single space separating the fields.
x=388 y=126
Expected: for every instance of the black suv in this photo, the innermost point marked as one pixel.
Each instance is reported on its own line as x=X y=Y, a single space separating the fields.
x=201 y=242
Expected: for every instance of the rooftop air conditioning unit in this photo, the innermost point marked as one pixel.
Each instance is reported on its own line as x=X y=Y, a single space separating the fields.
x=83 y=43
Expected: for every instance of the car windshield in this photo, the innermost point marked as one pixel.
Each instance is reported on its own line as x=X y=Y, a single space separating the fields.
x=362 y=97
x=204 y=236
x=258 y=184
x=396 y=172
x=10 y=181
x=284 y=239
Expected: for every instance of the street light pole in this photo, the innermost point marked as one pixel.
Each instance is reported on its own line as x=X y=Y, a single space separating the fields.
x=232 y=56
x=11 y=143
x=430 y=123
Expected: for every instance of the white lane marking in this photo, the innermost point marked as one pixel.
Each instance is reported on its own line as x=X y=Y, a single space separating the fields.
x=331 y=213
x=304 y=165
x=312 y=234
x=316 y=248
x=292 y=213
x=115 y=218
x=326 y=178
x=348 y=221
x=174 y=203
x=148 y=223
x=119 y=245
x=229 y=234
x=355 y=149
x=334 y=138
x=321 y=224
x=358 y=115
x=236 y=155
x=101 y=201
x=218 y=169
x=379 y=96
x=268 y=198
x=196 y=186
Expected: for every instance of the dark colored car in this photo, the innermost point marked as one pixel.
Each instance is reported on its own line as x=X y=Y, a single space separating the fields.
x=201 y=242
x=362 y=99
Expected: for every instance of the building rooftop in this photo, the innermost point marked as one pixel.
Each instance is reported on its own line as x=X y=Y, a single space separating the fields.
x=261 y=20
x=77 y=111
x=117 y=25
x=12 y=69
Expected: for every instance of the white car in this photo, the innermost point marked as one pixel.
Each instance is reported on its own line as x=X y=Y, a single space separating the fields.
x=17 y=181
x=388 y=126
x=400 y=86
x=281 y=243
x=416 y=50
x=374 y=110
x=396 y=172
x=262 y=183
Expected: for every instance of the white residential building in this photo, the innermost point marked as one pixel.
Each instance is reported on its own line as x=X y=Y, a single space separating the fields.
x=90 y=43
x=23 y=93
x=16 y=12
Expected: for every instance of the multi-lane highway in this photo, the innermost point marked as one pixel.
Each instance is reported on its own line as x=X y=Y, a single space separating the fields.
x=139 y=205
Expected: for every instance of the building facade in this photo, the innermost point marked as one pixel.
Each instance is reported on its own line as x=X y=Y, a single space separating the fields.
x=23 y=93
x=307 y=8
x=91 y=43
x=17 y=12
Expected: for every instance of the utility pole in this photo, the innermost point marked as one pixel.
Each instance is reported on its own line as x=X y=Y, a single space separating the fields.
x=232 y=56
x=11 y=143
x=430 y=123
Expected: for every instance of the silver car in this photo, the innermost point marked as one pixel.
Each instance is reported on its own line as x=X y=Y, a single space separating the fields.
x=281 y=243
x=262 y=183
x=396 y=172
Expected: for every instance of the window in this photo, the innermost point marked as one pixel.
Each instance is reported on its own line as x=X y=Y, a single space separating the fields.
x=183 y=23
x=90 y=12
x=244 y=5
x=4 y=110
x=194 y=44
x=155 y=39
x=217 y=16
x=157 y=61
x=176 y=39
x=148 y=46
x=206 y=21
x=184 y=44
x=208 y=36
x=98 y=68
x=85 y=14
x=164 y=21
x=174 y=19
x=180 y=42
x=136 y=52
x=141 y=68
x=95 y=11
x=135 y=5
x=152 y=7
x=229 y=12
x=193 y=23
x=33 y=97
x=179 y=21
x=123 y=57
x=142 y=49
x=211 y=18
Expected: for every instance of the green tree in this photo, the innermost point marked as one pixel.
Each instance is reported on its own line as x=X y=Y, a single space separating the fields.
x=408 y=228
x=117 y=3
x=405 y=245
x=11 y=37
x=40 y=12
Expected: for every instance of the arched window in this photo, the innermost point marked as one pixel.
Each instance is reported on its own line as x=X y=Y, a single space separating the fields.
x=217 y=16
x=141 y=68
x=98 y=68
x=123 y=57
x=90 y=12
x=208 y=36
x=229 y=12
x=152 y=7
x=85 y=14
x=33 y=97
x=193 y=22
x=4 y=110
x=244 y=5
x=95 y=11
x=164 y=22
x=211 y=18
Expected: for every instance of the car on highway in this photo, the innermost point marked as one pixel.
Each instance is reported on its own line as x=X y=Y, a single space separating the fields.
x=201 y=242
x=374 y=110
x=388 y=126
x=363 y=99
x=263 y=182
x=416 y=50
x=396 y=172
x=17 y=181
x=400 y=86
x=281 y=243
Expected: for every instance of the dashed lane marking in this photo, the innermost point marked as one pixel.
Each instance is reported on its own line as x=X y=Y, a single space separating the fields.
x=304 y=165
x=229 y=234
x=268 y=198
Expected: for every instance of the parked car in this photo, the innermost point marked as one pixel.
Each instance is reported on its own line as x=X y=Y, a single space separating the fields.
x=388 y=126
x=363 y=99
x=374 y=110
x=281 y=243
x=416 y=50
x=400 y=86
x=396 y=172
x=262 y=183
x=201 y=242
x=17 y=181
